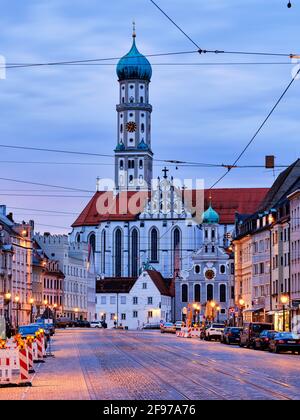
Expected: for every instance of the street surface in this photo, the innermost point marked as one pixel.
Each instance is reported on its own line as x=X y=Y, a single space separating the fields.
x=112 y=365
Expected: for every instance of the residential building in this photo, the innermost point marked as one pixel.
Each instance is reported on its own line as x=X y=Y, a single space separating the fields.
x=265 y=272
x=16 y=270
x=72 y=261
x=294 y=199
x=133 y=302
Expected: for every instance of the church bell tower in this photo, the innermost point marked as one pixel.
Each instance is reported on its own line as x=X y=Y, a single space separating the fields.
x=133 y=154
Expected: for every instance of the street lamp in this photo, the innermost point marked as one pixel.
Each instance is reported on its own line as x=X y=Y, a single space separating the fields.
x=31 y=302
x=284 y=300
x=242 y=305
x=213 y=305
x=55 y=309
x=218 y=312
x=76 y=312
x=17 y=300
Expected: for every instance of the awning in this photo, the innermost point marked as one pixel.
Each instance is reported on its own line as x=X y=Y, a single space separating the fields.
x=253 y=310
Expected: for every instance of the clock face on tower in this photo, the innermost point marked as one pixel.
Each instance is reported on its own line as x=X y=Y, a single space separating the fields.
x=131 y=127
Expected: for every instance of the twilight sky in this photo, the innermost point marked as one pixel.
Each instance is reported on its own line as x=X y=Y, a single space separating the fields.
x=201 y=113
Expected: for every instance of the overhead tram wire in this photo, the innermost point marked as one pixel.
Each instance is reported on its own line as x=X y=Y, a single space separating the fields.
x=45 y=185
x=258 y=131
x=205 y=51
x=95 y=60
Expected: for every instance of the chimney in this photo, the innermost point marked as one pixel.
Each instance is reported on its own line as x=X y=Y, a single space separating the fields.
x=10 y=217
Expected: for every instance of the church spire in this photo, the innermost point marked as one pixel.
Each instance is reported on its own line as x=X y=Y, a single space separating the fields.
x=133 y=30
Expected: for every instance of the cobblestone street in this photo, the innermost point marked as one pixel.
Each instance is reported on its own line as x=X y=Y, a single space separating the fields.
x=104 y=364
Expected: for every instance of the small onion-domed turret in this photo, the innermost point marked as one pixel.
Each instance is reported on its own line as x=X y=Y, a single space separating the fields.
x=210 y=216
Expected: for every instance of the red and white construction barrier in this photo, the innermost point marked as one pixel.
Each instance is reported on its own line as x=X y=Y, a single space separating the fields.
x=196 y=331
x=186 y=332
x=5 y=368
x=30 y=356
x=24 y=367
x=40 y=351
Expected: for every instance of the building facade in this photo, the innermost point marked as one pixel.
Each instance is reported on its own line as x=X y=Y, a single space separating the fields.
x=294 y=199
x=16 y=275
x=265 y=247
x=72 y=261
x=207 y=284
x=134 y=302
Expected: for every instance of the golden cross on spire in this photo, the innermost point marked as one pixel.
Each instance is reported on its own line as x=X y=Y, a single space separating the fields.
x=134 y=29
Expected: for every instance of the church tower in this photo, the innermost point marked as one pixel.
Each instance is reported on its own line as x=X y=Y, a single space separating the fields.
x=133 y=154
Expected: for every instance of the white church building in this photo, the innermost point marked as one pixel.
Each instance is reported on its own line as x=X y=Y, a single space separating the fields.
x=147 y=220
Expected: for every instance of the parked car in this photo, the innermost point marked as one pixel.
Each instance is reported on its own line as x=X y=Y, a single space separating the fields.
x=64 y=323
x=179 y=325
x=30 y=330
x=251 y=331
x=214 y=332
x=150 y=326
x=231 y=335
x=96 y=324
x=168 y=327
x=285 y=341
x=262 y=342
x=82 y=324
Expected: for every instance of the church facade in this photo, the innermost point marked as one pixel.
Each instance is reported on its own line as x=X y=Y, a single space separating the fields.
x=144 y=221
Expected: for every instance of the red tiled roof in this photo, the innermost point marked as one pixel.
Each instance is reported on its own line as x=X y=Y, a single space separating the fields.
x=163 y=285
x=115 y=285
x=104 y=206
x=228 y=201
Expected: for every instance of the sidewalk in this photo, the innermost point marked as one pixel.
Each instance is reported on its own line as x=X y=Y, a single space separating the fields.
x=59 y=378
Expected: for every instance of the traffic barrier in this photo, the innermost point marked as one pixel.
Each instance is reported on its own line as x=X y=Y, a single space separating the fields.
x=29 y=343
x=39 y=342
x=24 y=366
x=196 y=331
x=5 y=368
x=186 y=332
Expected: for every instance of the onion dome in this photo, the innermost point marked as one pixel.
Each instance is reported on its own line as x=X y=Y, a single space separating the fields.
x=210 y=216
x=134 y=65
x=142 y=145
x=120 y=147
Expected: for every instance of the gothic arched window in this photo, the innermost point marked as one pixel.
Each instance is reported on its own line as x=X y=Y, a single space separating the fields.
x=197 y=293
x=210 y=292
x=184 y=293
x=176 y=249
x=142 y=127
x=103 y=248
x=223 y=293
x=118 y=253
x=154 y=245
x=92 y=241
x=134 y=253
